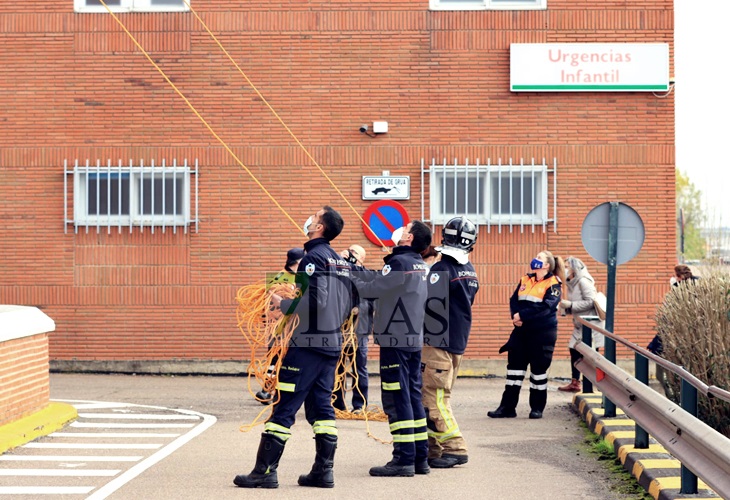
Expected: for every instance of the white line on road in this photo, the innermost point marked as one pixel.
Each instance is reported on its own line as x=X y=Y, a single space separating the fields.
x=69 y=458
x=95 y=446
x=136 y=470
x=45 y=490
x=92 y=425
x=113 y=434
x=140 y=416
x=59 y=472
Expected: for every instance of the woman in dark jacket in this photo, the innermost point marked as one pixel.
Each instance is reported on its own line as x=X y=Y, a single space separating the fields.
x=533 y=306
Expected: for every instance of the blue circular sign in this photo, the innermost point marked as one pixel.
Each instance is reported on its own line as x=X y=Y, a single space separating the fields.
x=381 y=219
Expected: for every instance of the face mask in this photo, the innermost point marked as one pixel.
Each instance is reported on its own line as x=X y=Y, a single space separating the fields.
x=307 y=224
x=397 y=235
x=536 y=264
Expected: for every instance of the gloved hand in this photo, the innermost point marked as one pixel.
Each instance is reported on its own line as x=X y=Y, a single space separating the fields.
x=566 y=304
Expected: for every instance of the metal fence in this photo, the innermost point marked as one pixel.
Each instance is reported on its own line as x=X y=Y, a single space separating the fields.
x=697 y=446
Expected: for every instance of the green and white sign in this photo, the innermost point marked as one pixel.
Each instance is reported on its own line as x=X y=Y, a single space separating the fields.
x=589 y=67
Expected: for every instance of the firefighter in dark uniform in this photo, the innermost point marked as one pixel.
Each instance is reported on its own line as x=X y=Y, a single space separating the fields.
x=308 y=368
x=533 y=306
x=400 y=291
x=454 y=282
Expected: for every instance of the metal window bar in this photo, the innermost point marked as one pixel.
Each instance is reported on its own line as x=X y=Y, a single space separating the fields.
x=500 y=208
x=88 y=189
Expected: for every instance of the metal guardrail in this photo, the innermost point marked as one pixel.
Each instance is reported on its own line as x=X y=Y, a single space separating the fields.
x=702 y=450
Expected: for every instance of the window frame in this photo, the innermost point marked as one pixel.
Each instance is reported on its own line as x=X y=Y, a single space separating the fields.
x=488 y=180
x=134 y=200
x=488 y=5
x=130 y=6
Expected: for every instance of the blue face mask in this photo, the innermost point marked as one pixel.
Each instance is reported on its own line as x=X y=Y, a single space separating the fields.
x=536 y=264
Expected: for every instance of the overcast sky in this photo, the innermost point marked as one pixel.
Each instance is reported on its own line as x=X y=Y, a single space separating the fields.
x=702 y=103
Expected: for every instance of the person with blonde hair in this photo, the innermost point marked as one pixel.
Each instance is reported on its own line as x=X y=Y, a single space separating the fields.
x=581 y=292
x=533 y=306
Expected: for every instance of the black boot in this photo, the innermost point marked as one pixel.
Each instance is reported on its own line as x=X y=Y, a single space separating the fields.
x=502 y=412
x=263 y=474
x=322 y=475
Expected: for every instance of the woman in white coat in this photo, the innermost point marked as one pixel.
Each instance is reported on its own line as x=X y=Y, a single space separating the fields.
x=581 y=290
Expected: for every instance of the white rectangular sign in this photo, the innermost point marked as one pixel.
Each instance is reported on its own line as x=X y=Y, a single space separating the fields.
x=589 y=67
x=389 y=187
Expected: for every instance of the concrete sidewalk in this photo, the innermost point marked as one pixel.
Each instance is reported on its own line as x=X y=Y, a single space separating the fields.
x=509 y=458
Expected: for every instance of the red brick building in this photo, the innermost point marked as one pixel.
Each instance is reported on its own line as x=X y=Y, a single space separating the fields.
x=136 y=276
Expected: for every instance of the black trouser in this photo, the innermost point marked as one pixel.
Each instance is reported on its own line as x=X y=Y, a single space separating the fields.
x=537 y=353
x=574 y=357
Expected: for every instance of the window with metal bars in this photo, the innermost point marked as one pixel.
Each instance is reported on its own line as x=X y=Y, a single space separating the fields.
x=132 y=195
x=489 y=194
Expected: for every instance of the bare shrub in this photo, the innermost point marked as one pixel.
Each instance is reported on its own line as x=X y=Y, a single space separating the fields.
x=694 y=324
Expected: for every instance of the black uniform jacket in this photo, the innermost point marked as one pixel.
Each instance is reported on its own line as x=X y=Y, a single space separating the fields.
x=323 y=277
x=460 y=283
x=400 y=291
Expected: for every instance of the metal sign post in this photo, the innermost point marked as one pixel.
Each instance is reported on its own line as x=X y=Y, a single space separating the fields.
x=613 y=234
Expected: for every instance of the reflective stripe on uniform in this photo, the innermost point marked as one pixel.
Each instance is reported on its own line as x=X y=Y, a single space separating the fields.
x=277 y=430
x=420 y=436
x=421 y=422
x=403 y=424
x=445 y=414
x=325 y=427
x=516 y=373
x=540 y=387
x=403 y=438
x=286 y=387
x=445 y=436
x=513 y=382
x=538 y=377
x=391 y=386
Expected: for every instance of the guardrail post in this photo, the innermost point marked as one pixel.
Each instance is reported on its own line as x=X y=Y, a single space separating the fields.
x=587 y=340
x=641 y=369
x=688 y=402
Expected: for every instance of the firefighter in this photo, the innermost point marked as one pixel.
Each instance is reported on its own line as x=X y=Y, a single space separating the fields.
x=400 y=291
x=533 y=306
x=453 y=281
x=308 y=368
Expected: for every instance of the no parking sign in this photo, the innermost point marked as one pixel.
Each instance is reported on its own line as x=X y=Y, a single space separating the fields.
x=384 y=217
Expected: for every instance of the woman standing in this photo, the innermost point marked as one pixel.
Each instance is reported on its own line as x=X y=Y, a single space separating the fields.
x=579 y=302
x=533 y=306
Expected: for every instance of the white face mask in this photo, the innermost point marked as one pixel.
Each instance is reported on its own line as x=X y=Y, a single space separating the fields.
x=397 y=235
x=307 y=224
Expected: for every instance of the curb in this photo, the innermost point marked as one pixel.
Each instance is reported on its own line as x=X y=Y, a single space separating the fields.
x=41 y=423
x=655 y=469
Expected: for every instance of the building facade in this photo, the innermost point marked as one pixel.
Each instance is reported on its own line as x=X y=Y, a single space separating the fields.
x=139 y=192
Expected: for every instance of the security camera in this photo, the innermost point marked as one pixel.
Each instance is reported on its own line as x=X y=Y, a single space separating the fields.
x=364 y=129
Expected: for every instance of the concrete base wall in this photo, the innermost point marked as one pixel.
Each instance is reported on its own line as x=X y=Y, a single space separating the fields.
x=469 y=368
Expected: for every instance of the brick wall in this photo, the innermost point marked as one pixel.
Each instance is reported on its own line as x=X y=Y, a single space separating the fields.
x=75 y=87
x=24 y=375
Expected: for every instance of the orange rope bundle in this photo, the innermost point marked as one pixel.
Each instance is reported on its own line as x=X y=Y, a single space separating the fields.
x=267 y=334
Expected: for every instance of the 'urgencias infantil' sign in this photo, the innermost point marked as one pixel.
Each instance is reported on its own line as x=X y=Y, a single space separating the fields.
x=589 y=67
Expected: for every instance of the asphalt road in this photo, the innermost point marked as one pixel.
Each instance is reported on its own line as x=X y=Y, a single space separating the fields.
x=510 y=458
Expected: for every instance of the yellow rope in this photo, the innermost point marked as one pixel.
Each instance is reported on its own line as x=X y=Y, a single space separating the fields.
x=273 y=111
x=203 y=120
x=267 y=334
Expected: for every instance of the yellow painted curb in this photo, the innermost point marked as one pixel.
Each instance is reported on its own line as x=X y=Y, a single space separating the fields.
x=614 y=435
x=41 y=423
x=612 y=423
x=671 y=483
x=624 y=450
x=654 y=463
